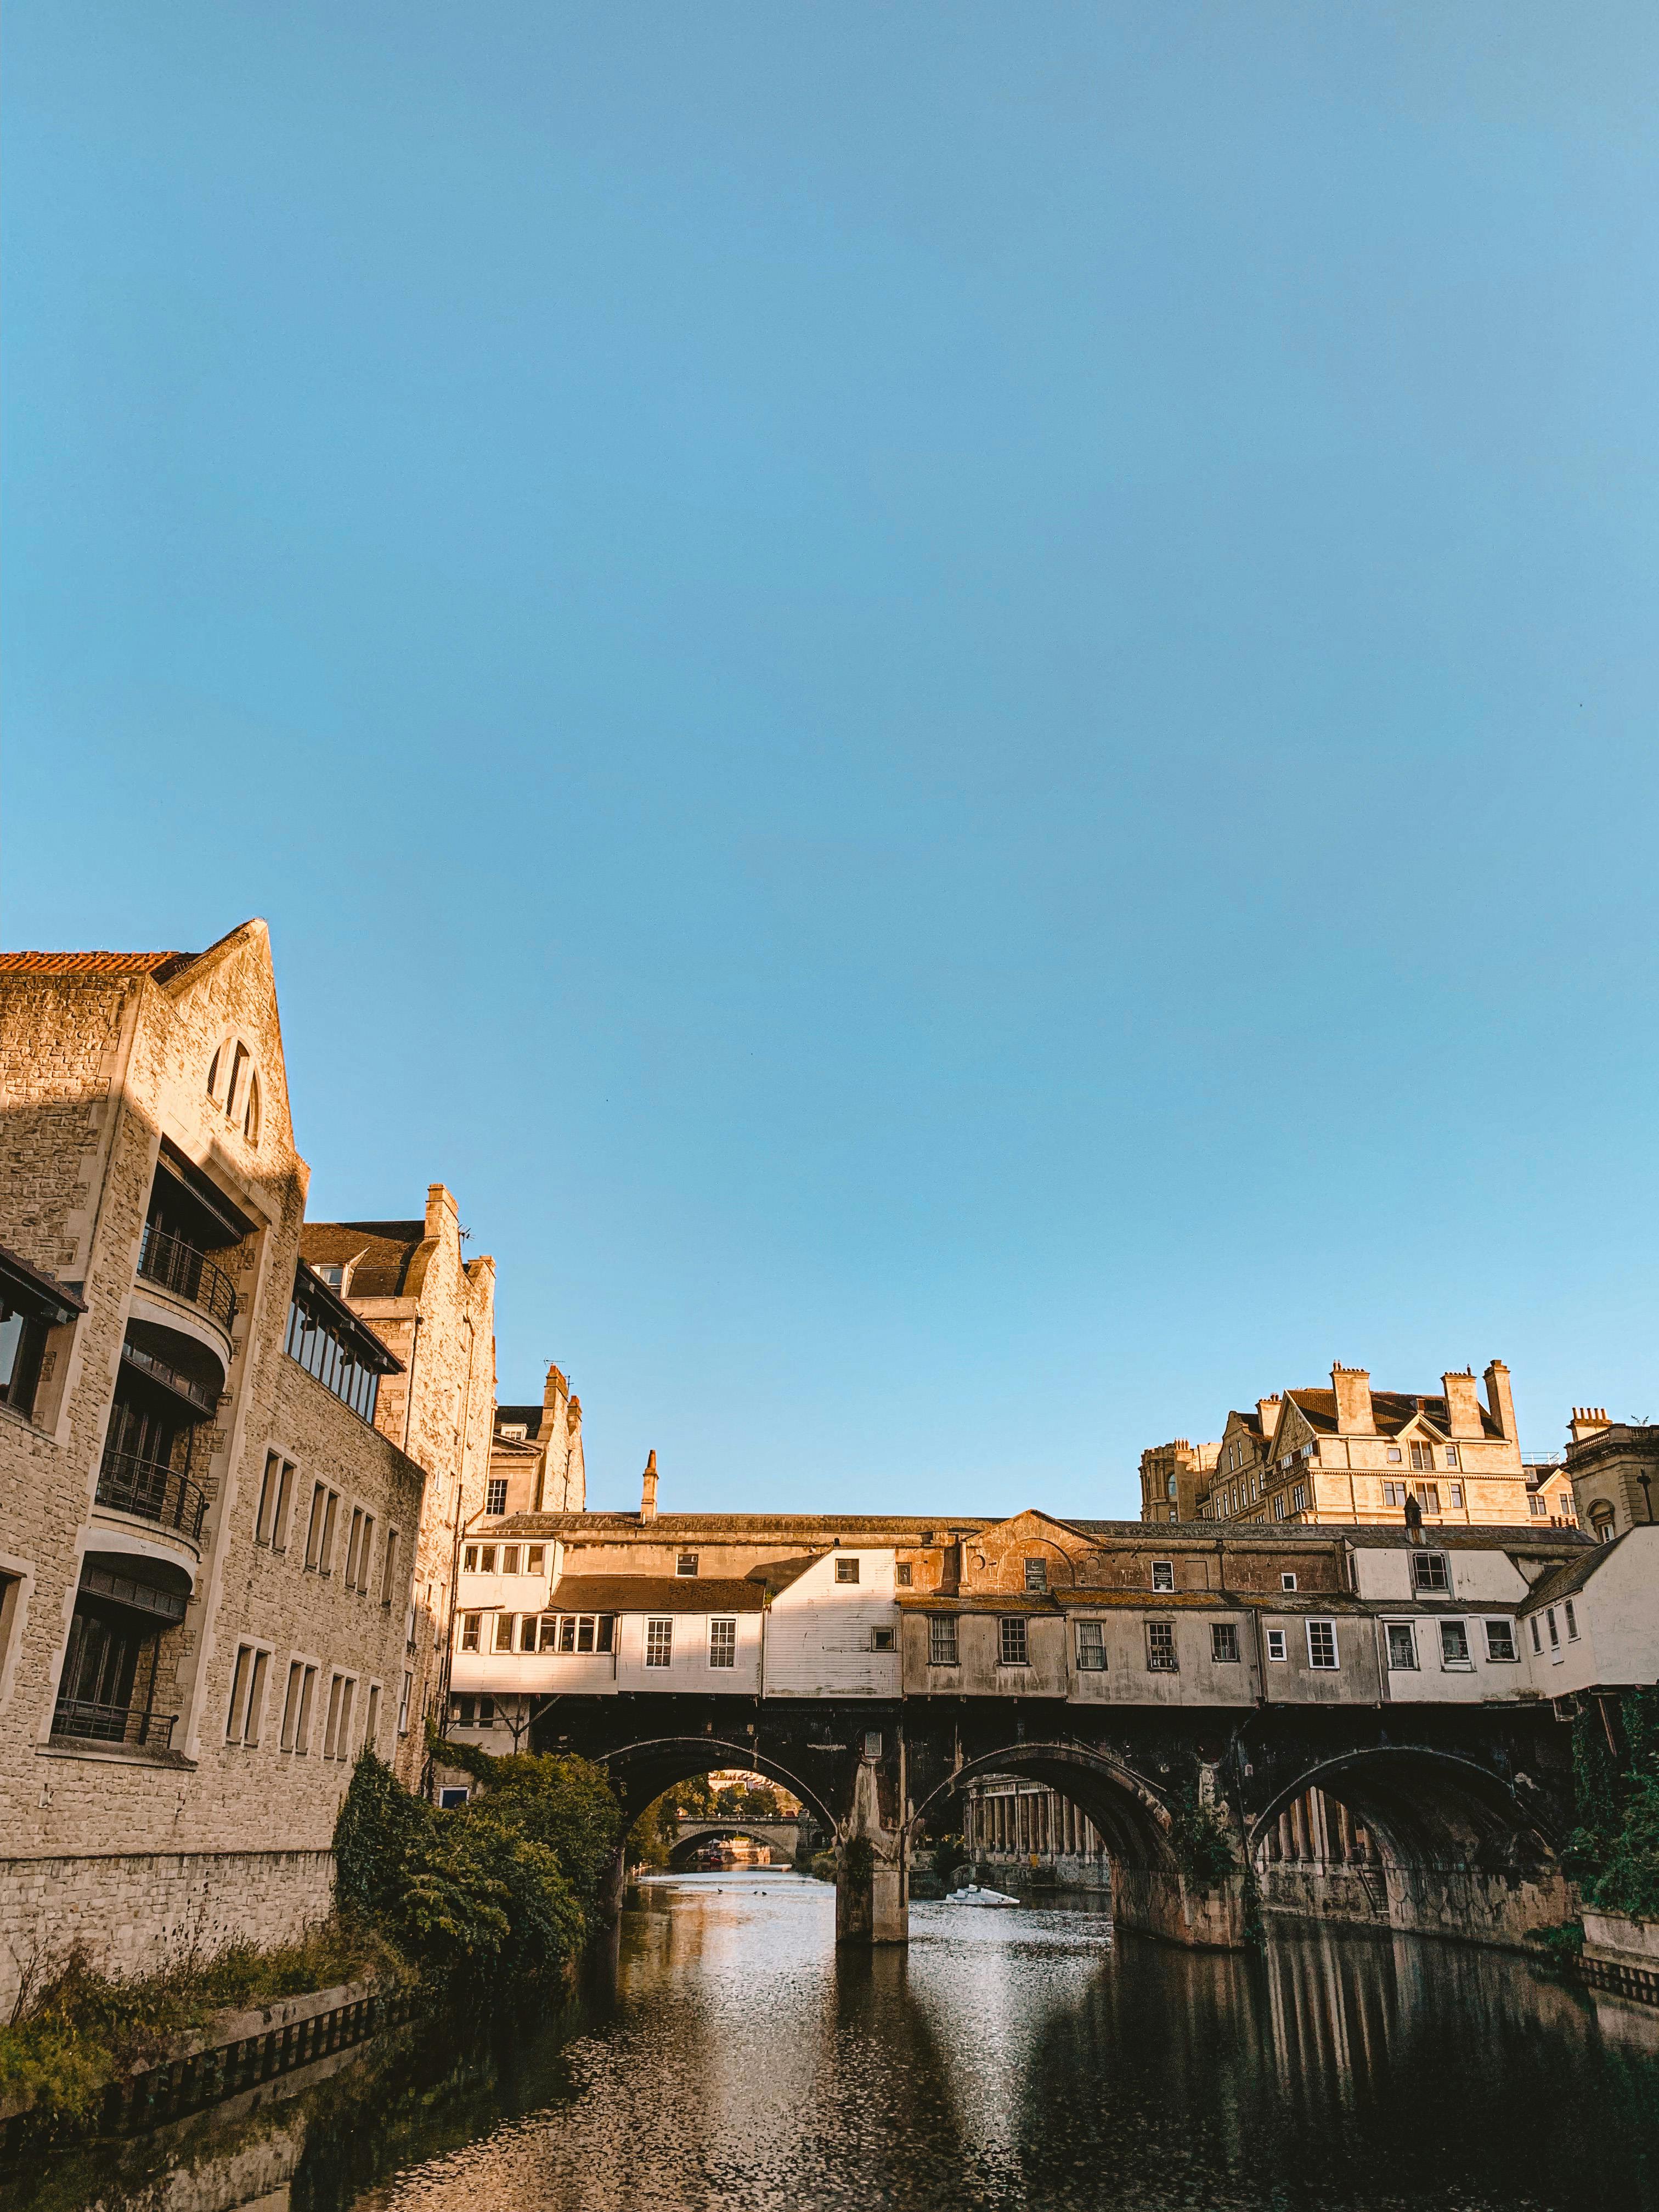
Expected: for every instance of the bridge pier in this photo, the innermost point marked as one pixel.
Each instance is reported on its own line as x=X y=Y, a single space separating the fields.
x=1153 y=1901
x=872 y=1870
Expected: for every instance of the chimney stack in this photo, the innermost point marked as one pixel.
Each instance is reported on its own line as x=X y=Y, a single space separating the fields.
x=1353 y=1387
x=648 y=1489
x=1266 y=1412
x=1589 y=1421
x=441 y=1211
x=1462 y=1404
x=1500 y=1404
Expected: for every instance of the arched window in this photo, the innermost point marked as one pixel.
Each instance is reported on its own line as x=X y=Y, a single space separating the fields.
x=213 y=1073
x=1601 y=1518
x=251 y=1117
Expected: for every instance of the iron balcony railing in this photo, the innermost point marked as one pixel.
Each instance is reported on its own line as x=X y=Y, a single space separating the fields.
x=194 y=1393
x=73 y=1717
x=180 y=1267
x=131 y=1485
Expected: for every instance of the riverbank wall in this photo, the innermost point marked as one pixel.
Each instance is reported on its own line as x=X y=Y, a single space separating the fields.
x=132 y=1913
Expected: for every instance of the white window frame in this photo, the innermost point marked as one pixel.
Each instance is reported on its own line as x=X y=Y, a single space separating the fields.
x=1279 y=1650
x=1512 y=1656
x=1449 y=1663
x=494 y=1485
x=1092 y=1658
x=659 y=1642
x=1287 y=1581
x=723 y=1642
x=942 y=1631
x=1220 y=1631
x=1408 y=1629
x=883 y=1639
x=1318 y=1665
x=1013 y=1628
x=1162 y=1657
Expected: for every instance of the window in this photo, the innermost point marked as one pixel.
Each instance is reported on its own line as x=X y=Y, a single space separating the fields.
x=336 y=1734
x=509 y=1559
x=495 y=1494
x=723 y=1643
x=1281 y=1505
x=1275 y=1643
x=882 y=1639
x=1500 y=1640
x=469 y=1560
x=247 y=1695
x=686 y=1564
x=1601 y=1521
x=1455 y=1496
x=846 y=1571
x=327 y=1339
x=354 y=1544
x=578 y=1632
x=1538 y=1504
x=503 y=1631
x=1298 y=1497
x=1572 y=1622
x=1403 y=1647
x=1162 y=1574
x=1036 y=1575
x=389 y=1571
x=1322 y=1643
x=234 y=1092
x=403 y=1704
x=276 y=1486
x=1455 y=1645
x=1092 y=1646
x=473 y=1712
x=942 y=1639
x=902 y=1574
x=527 y=1627
x=1422 y=1455
x=251 y=1112
x=1287 y=1581
x=486 y=1558
x=1013 y=1645
x=1224 y=1642
x=514 y=1431
x=1160 y=1647
x=1393 y=1455
x=296 y=1708
x=1428 y=1496
x=658 y=1643
x=1451 y=1455
x=320 y=1534
x=471 y=1623
x=1537 y=1644
x=1555 y=1633
x=1394 y=1493
x=1429 y=1571
x=372 y=1718
x=535 y=1559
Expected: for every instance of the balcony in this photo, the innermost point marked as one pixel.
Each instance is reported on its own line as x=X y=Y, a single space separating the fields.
x=127 y=1484
x=173 y=1265
x=202 y=1402
x=87 y=1723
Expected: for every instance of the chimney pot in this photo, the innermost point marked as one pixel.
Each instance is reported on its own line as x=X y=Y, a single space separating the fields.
x=649 y=1489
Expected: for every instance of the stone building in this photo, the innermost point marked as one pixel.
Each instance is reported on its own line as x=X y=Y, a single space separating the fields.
x=206 y=1542
x=1352 y=1454
x=1173 y=1478
x=536 y=1463
x=1611 y=1467
x=411 y=1283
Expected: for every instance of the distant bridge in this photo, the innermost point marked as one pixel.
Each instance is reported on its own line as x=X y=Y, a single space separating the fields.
x=697 y=1830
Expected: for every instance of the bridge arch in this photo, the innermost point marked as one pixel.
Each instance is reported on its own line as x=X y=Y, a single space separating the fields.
x=777 y=1835
x=1126 y=1810
x=640 y=1771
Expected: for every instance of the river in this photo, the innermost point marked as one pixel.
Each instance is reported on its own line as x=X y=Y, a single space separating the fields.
x=1021 y=2061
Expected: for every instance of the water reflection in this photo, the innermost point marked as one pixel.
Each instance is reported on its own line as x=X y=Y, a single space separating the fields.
x=725 y=2057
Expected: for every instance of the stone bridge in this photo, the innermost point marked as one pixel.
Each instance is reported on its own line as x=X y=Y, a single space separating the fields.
x=696 y=1829
x=1470 y=1806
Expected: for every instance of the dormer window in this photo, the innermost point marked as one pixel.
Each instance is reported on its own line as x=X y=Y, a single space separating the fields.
x=513 y=1432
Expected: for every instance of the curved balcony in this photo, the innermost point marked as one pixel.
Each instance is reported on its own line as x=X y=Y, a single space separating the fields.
x=173 y=1265
x=127 y=1484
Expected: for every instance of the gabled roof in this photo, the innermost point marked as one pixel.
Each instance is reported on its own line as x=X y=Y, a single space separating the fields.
x=1561 y=1582
x=1392 y=1412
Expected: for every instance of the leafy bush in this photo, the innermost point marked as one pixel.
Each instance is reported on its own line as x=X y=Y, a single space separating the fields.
x=1201 y=1837
x=1629 y=1882
x=652 y=1837
x=1615 y=1850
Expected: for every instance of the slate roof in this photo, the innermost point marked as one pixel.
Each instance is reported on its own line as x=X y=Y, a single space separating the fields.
x=1561 y=1582
x=381 y=1251
x=1391 y=1410
x=655 y=1594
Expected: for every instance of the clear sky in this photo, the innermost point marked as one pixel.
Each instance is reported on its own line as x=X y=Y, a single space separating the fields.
x=955 y=703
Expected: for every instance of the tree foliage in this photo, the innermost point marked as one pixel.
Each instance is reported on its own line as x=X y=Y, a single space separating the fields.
x=1615 y=1851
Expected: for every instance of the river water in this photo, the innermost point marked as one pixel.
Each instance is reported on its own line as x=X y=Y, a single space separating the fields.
x=1021 y=2061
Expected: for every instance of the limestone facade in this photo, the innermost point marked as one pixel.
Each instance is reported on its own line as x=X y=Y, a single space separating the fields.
x=206 y=1544
x=411 y=1283
x=1613 y=1467
x=1351 y=1454
x=536 y=1462
x=1174 y=1477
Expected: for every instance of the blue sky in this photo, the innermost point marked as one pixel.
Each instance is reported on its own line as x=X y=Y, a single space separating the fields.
x=956 y=703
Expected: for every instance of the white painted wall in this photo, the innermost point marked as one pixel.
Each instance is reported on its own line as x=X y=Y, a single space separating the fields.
x=689 y=1669
x=1478 y=1578
x=820 y=1632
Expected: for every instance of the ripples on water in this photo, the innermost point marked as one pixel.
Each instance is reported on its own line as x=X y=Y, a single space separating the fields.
x=1014 y=2061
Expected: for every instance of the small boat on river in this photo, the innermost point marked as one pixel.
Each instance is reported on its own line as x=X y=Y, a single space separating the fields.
x=975 y=1895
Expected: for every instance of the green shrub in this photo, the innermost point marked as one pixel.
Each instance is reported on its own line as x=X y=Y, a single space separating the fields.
x=1629 y=1882
x=1201 y=1840
x=1615 y=1850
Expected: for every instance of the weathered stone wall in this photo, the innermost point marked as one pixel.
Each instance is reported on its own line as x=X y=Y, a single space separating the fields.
x=137 y=1912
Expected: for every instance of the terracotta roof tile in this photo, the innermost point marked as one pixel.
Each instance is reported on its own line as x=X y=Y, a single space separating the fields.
x=655 y=1593
x=160 y=965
